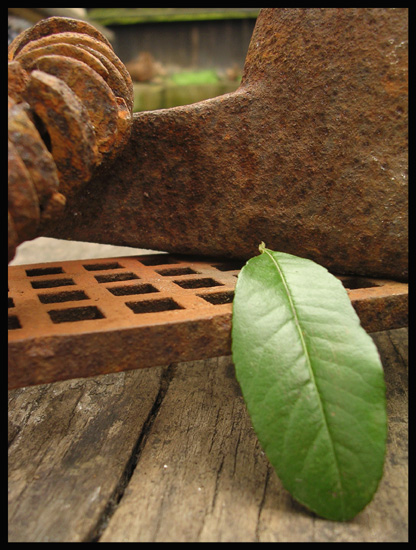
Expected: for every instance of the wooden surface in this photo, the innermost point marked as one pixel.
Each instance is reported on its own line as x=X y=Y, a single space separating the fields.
x=169 y=454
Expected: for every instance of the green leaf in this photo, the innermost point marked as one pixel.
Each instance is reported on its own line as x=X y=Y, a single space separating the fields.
x=312 y=381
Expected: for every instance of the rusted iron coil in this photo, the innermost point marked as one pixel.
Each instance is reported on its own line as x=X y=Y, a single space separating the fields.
x=69 y=109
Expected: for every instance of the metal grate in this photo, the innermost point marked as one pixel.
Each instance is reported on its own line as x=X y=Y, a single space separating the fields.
x=87 y=317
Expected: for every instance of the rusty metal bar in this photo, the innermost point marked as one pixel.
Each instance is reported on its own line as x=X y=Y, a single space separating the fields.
x=88 y=317
x=309 y=155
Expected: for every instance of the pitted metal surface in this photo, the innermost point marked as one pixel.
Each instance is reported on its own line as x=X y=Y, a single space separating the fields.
x=309 y=155
x=88 y=317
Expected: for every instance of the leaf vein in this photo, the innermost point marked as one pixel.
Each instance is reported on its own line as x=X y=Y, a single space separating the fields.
x=308 y=361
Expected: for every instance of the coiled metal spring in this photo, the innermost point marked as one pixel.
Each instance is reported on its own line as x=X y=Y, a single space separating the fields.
x=69 y=110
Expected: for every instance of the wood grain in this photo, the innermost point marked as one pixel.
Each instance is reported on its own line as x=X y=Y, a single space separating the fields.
x=169 y=455
x=70 y=445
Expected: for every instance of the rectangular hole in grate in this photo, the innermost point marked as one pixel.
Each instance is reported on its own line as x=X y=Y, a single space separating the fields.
x=159 y=259
x=229 y=266
x=38 y=271
x=198 y=283
x=114 y=277
x=218 y=298
x=52 y=283
x=153 y=306
x=10 y=302
x=73 y=314
x=68 y=296
x=102 y=267
x=352 y=283
x=13 y=322
x=132 y=289
x=176 y=271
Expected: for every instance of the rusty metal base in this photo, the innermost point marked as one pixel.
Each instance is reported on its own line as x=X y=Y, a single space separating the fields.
x=83 y=318
x=309 y=155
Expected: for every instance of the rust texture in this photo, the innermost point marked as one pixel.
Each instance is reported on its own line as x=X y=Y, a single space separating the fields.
x=29 y=60
x=92 y=90
x=22 y=198
x=38 y=161
x=71 y=132
x=97 y=48
x=89 y=317
x=309 y=155
x=65 y=119
x=54 y=25
x=17 y=81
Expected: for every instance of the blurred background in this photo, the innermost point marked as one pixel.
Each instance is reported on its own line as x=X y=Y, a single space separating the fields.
x=176 y=56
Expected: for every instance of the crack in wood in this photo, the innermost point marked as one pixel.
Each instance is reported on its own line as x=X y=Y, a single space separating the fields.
x=96 y=533
x=261 y=505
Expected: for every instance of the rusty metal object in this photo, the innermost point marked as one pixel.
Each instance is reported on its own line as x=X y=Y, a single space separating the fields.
x=93 y=46
x=117 y=82
x=84 y=318
x=23 y=203
x=17 y=78
x=124 y=125
x=66 y=119
x=92 y=90
x=380 y=304
x=309 y=155
x=54 y=25
x=29 y=60
x=67 y=102
x=37 y=160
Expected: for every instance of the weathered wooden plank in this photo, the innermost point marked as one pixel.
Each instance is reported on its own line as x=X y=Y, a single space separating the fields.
x=201 y=462
x=200 y=474
x=203 y=477
x=70 y=444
